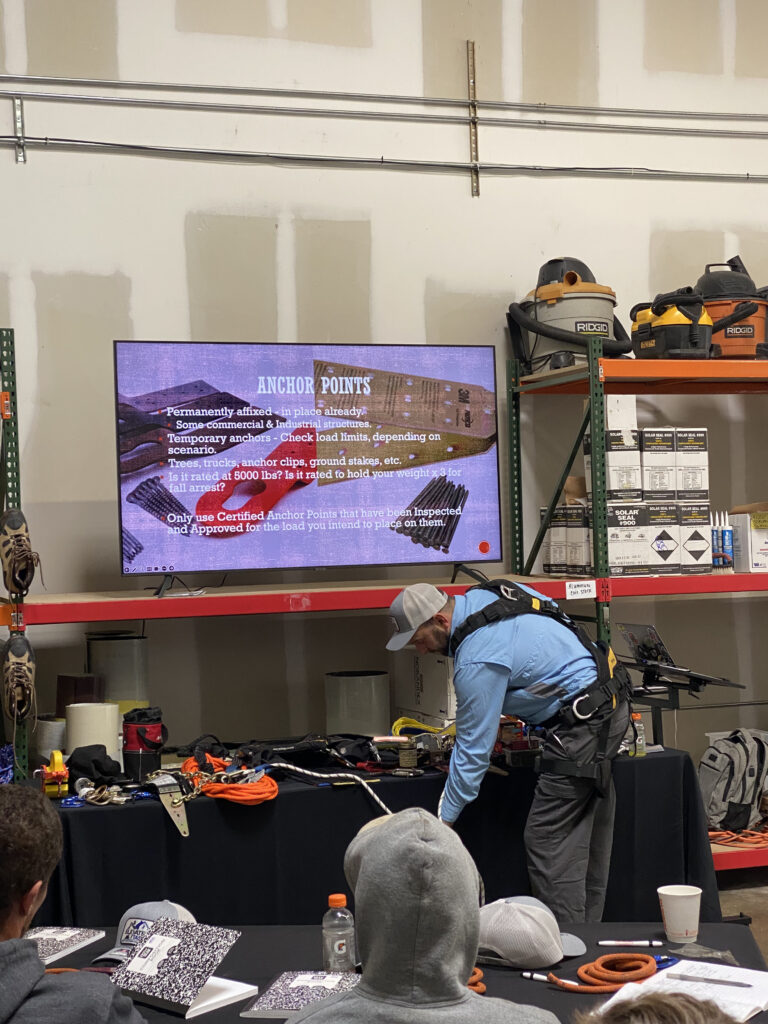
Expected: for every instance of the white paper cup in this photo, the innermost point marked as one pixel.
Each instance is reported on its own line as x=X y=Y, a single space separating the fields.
x=680 y=911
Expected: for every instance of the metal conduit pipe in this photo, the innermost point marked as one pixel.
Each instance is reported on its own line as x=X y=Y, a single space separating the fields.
x=550 y=108
x=374 y=115
x=383 y=163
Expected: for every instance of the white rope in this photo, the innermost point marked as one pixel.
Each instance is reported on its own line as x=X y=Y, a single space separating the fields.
x=284 y=766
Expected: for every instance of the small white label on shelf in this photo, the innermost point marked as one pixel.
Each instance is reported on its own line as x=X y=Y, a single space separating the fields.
x=580 y=589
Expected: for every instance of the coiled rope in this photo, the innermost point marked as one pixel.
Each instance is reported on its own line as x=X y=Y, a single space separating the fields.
x=608 y=973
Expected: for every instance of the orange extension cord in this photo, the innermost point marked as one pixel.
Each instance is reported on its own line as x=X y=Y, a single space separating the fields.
x=745 y=840
x=241 y=793
x=608 y=973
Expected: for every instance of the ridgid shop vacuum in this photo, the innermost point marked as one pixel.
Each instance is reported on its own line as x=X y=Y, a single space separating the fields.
x=738 y=310
x=552 y=325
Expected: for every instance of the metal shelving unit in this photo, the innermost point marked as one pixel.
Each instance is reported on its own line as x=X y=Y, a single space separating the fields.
x=10 y=482
x=621 y=376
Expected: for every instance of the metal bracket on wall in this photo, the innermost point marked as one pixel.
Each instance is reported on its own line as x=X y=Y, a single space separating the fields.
x=18 y=126
x=472 y=94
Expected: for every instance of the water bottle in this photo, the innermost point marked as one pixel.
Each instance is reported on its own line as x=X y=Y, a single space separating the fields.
x=636 y=736
x=338 y=935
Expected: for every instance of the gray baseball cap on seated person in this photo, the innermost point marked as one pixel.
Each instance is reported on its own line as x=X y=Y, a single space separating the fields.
x=411 y=608
x=521 y=931
x=136 y=922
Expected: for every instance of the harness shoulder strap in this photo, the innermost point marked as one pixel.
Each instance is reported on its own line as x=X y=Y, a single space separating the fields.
x=513 y=601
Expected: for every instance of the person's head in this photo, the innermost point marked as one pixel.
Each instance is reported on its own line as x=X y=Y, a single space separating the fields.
x=417 y=907
x=30 y=848
x=421 y=616
x=659 y=1008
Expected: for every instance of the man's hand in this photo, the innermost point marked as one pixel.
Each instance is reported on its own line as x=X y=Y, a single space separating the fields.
x=448 y=824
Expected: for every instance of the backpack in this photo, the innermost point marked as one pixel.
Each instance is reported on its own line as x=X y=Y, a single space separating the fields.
x=731 y=776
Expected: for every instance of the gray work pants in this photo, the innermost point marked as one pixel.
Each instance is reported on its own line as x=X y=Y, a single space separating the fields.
x=569 y=832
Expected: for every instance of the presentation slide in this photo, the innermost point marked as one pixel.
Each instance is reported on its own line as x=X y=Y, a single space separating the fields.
x=275 y=456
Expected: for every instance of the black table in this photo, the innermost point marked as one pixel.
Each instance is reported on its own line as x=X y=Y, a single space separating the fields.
x=261 y=953
x=275 y=863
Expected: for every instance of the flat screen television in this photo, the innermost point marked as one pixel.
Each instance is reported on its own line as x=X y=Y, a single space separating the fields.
x=243 y=456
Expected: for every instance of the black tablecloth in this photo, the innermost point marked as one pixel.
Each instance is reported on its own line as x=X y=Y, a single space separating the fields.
x=261 y=953
x=275 y=863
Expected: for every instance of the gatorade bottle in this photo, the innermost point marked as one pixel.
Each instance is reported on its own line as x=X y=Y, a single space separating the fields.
x=338 y=935
x=636 y=737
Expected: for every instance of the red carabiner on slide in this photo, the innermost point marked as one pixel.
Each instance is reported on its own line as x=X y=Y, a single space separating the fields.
x=293 y=463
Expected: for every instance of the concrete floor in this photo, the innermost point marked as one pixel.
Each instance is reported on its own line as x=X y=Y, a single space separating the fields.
x=745 y=891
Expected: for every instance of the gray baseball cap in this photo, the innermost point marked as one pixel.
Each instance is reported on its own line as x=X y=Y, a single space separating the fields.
x=521 y=931
x=411 y=608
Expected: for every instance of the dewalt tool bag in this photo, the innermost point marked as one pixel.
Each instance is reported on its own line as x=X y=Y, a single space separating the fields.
x=731 y=776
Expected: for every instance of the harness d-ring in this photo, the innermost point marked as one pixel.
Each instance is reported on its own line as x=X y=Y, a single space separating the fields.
x=581 y=718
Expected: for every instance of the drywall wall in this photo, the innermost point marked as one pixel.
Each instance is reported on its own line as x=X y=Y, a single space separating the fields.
x=101 y=245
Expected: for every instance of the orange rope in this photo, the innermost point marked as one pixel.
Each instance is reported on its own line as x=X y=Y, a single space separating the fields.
x=608 y=973
x=746 y=839
x=476 y=982
x=238 y=792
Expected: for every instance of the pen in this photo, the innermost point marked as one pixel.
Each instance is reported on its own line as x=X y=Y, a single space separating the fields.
x=533 y=976
x=630 y=942
x=708 y=981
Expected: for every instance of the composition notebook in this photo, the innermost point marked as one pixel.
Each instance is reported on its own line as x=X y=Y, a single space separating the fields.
x=173 y=968
x=55 y=942
x=293 y=990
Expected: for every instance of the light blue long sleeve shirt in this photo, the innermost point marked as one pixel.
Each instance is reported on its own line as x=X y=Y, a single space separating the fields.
x=526 y=666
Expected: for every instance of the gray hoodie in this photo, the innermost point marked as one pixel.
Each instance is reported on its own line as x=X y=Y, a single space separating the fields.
x=30 y=996
x=417 y=922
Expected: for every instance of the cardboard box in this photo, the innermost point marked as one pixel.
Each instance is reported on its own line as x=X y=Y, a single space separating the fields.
x=423 y=688
x=657 y=457
x=664 y=554
x=623 y=479
x=695 y=538
x=629 y=538
x=750 y=541
x=620 y=412
x=577 y=539
x=691 y=464
x=558 y=544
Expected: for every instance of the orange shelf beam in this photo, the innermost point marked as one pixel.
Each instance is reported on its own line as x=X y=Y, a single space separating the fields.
x=658 y=376
x=131 y=605
x=726 y=858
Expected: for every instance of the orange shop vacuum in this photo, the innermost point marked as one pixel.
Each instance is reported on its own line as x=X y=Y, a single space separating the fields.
x=738 y=311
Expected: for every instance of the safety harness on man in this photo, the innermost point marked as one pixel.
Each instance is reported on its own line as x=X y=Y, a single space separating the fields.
x=611 y=685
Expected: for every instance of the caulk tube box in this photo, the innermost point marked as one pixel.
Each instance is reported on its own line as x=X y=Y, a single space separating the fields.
x=629 y=538
x=750 y=541
x=577 y=539
x=622 y=465
x=657 y=457
x=664 y=555
x=558 y=548
x=695 y=538
x=691 y=464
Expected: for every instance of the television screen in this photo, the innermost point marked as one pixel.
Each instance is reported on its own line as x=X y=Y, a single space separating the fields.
x=278 y=456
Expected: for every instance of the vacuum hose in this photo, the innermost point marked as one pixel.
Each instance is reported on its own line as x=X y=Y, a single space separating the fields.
x=621 y=346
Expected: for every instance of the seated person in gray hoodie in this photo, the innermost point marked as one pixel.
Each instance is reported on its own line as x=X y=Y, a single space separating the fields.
x=417 y=903
x=30 y=847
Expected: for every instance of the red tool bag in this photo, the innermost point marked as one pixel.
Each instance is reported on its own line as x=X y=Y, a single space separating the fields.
x=144 y=737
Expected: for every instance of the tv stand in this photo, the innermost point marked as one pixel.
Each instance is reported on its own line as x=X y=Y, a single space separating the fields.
x=461 y=567
x=167 y=582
